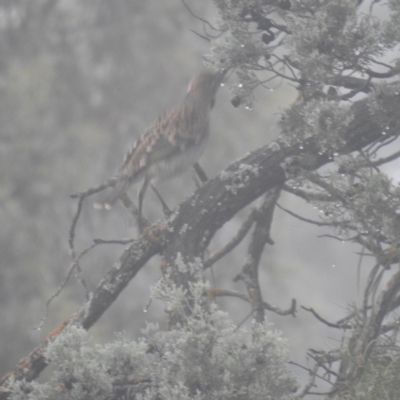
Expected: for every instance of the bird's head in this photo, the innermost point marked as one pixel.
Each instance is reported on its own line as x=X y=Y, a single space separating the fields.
x=204 y=86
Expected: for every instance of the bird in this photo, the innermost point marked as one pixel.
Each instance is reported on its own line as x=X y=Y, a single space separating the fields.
x=172 y=143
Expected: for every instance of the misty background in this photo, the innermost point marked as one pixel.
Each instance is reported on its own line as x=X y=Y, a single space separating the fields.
x=79 y=82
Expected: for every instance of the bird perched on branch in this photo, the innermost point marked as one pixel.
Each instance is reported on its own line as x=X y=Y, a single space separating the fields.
x=172 y=143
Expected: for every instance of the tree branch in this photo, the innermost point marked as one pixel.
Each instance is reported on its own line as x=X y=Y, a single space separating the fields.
x=260 y=237
x=207 y=211
x=240 y=235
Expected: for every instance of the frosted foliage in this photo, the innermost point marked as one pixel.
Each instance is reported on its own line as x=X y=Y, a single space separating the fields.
x=238 y=45
x=393 y=27
x=375 y=206
x=177 y=298
x=193 y=268
x=174 y=297
x=380 y=380
x=78 y=364
x=204 y=359
x=329 y=32
x=325 y=120
x=372 y=201
x=328 y=40
x=233 y=50
x=381 y=106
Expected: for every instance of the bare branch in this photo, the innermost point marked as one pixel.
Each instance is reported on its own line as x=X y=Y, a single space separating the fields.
x=290 y=311
x=81 y=196
x=200 y=173
x=385 y=160
x=213 y=292
x=327 y=323
x=71 y=236
x=115 y=241
x=308 y=196
x=240 y=235
x=205 y=22
x=381 y=75
x=74 y=266
x=309 y=221
x=354 y=92
x=310 y=383
x=260 y=237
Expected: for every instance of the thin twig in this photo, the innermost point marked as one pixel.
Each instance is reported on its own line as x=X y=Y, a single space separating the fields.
x=307 y=195
x=213 y=292
x=260 y=237
x=370 y=284
x=240 y=235
x=385 y=160
x=243 y=320
x=322 y=358
x=71 y=235
x=308 y=370
x=81 y=196
x=131 y=207
x=200 y=35
x=317 y=180
x=166 y=209
x=74 y=265
x=310 y=221
x=340 y=239
x=324 y=321
x=199 y=18
x=354 y=92
x=115 y=241
x=309 y=384
x=200 y=172
x=97 y=189
x=290 y=311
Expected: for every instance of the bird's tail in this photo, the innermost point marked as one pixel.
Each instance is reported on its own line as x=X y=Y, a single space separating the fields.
x=120 y=187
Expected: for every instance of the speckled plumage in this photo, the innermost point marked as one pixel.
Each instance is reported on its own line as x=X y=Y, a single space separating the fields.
x=173 y=142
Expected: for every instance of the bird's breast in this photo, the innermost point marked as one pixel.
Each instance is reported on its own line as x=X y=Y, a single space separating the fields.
x=179 y=162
